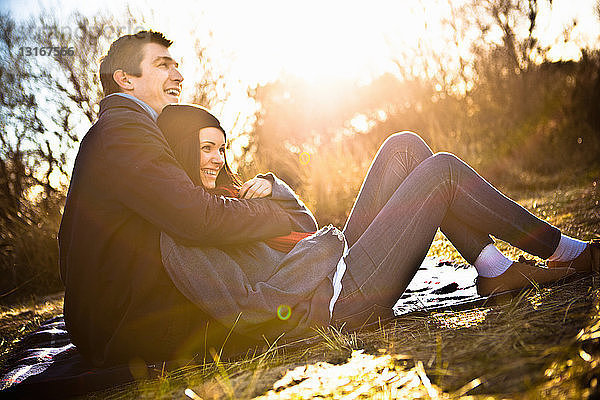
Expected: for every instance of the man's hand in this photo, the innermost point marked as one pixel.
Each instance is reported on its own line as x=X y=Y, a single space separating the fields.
x=255 y=188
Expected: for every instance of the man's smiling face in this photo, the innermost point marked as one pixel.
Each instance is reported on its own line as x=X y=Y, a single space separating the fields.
x=160 y=82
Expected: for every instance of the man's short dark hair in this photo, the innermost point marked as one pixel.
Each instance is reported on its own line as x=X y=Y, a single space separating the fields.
x=126 y=53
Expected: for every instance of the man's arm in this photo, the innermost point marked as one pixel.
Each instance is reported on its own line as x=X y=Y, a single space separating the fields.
x=144 y=175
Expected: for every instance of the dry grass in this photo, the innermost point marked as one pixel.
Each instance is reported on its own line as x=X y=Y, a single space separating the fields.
x=529 y=346
x=543 y=343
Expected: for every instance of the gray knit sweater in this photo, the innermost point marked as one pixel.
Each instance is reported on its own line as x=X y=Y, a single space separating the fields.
x=254 y=289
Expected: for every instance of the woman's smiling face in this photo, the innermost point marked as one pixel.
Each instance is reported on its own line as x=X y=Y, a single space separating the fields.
x=212 y=155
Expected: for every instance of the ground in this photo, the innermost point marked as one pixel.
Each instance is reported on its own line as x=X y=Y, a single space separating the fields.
x=542 y=343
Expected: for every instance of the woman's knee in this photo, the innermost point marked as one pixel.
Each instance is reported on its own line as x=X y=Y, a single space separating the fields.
x=407 y=141
x=447 y=157
x=445 y=162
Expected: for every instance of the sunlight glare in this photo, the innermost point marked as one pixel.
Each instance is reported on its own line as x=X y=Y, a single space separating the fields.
x=361 y=123
x=322 y=40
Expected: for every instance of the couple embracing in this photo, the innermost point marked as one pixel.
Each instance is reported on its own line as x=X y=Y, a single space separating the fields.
x=165 y=253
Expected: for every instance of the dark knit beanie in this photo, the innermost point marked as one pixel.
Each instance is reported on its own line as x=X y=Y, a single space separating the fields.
x=180 y=121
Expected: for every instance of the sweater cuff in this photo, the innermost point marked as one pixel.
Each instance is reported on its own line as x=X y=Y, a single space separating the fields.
x=280 y=190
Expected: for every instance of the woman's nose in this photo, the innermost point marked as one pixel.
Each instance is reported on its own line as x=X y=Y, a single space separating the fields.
x=217 y=158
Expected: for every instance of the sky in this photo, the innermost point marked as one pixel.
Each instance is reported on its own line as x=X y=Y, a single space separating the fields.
x=258 y=40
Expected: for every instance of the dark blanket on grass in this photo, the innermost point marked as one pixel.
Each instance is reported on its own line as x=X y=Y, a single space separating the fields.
x=47 y=363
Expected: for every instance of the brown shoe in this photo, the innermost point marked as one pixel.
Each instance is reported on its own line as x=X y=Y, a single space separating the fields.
x=518 y=276
x=587 y=262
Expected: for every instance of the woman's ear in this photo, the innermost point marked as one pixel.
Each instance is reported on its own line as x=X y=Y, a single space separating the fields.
x=122 y=79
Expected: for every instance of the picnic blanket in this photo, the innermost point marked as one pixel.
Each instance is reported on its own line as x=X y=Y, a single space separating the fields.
x=46 y=362
x=438 y=285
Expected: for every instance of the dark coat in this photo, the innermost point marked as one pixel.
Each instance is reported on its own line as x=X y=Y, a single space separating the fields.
x=125 y=189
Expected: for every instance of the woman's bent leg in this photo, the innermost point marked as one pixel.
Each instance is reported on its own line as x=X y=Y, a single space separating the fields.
x=397 y=157
x=395 y=160
x=382 y=262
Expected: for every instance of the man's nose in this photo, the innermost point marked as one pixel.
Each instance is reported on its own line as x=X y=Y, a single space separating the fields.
x=176 y=75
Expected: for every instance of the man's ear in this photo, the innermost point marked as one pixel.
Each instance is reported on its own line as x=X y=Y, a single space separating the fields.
x=122 y=79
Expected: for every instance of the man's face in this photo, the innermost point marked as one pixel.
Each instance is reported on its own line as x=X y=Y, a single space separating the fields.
x=160 y=82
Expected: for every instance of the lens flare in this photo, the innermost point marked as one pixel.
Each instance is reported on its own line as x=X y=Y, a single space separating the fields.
x=284 y=312
x=304 y=158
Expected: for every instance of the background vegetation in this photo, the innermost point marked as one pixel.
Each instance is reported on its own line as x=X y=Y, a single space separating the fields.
x=522 y=120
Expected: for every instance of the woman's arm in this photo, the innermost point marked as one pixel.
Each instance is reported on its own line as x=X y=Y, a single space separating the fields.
x=302 y=218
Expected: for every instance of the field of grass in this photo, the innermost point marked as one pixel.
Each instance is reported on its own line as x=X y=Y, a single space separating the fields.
x=543 y=343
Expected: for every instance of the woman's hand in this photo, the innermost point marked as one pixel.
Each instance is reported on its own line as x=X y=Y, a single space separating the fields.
x=255 y=188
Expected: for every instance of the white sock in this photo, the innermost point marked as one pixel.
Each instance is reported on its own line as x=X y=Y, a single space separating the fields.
x=491 y=262
x=568 y=249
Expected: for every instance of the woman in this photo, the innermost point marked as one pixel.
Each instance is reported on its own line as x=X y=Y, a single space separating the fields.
x=315 y=277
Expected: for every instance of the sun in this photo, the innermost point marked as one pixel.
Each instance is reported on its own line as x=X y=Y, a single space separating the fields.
x=342 y=39
x=324 y=40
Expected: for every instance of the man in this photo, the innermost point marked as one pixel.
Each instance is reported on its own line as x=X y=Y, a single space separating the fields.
x=125 y=189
